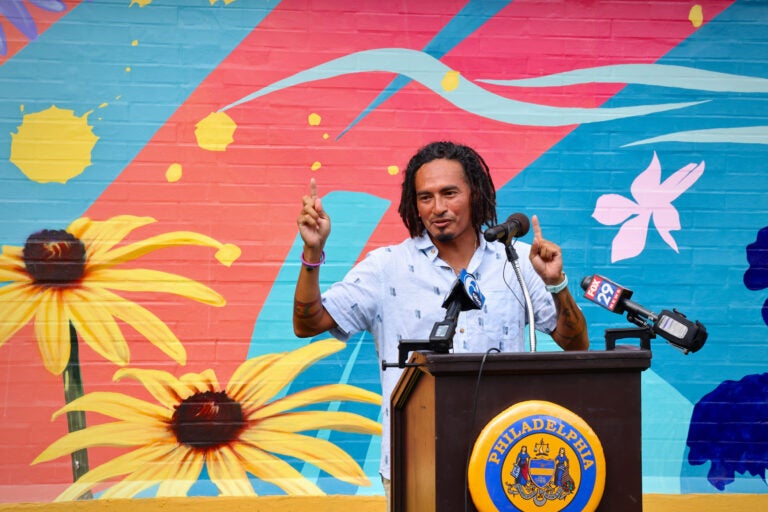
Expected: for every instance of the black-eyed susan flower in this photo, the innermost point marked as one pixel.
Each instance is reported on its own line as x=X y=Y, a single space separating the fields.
x=233 y=431
x=64 y=278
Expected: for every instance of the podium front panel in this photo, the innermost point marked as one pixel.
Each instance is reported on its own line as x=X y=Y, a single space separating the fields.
x=435 y=420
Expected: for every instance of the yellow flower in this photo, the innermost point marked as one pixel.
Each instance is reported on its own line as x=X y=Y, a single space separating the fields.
x=233 y=432
x=61 y=277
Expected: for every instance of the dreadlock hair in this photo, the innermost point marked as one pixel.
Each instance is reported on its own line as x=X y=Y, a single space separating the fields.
x=476 y=172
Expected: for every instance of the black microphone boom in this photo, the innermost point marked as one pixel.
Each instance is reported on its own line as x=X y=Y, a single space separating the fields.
x=515 y=226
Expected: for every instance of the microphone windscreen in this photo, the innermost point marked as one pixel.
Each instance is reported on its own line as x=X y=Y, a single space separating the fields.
x=522 y=220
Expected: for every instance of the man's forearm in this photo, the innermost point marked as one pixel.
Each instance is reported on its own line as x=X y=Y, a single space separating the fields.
x=571 y=331
x=309 y=315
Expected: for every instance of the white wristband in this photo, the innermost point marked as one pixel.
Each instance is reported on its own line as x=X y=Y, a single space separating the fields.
x=557 y=288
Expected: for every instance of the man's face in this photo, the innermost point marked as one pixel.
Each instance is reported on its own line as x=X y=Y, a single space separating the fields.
x=443 y=200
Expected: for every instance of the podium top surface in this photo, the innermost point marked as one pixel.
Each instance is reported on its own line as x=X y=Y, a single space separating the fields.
x=620 y=359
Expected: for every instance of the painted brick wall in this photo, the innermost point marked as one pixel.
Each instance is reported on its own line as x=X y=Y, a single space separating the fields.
x=187 y=132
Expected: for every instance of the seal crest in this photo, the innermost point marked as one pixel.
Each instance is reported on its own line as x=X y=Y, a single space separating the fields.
x=537 y=456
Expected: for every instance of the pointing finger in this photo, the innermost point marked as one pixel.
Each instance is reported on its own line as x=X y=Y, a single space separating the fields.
x=536 y=228
x=313 y=188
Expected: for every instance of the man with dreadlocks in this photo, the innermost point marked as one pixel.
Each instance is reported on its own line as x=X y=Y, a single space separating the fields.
x=396 y=293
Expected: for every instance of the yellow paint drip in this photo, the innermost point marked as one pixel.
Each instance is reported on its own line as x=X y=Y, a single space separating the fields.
x=141 y=3
x=173 y=173
x=450 y=81
x=53 y=145
x=215 y=132
x=316 y=166
x=314 y=119
x=696 y=16
x=228 y=254
x=393 y=170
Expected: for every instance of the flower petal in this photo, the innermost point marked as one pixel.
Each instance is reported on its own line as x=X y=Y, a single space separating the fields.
x=12 y=266
x=96 y=326
x=119 y=406
x=201 y=382
x=120 y=465
x=630 y=240
x=318 y=420
x=248 y=375
x=327 y=393
x=119 y=433
x=648 y=183
x=101 y=236
x=18 y=303
x=155 y=472
x=187 y=466
x=612 y=209
x=52 y=331
x=162 y=385
x=145 y=280
x=136 y=250
x=319 y=452
x=227 y=472
x=276 y=471
x=145 y=322
x=279 y=374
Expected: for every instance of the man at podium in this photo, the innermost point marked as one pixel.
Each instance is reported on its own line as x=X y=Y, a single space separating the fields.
x=396 y=293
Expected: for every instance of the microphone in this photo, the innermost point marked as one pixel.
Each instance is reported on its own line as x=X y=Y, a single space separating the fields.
x=464 y=295
x=515 y=226
x=673 y=326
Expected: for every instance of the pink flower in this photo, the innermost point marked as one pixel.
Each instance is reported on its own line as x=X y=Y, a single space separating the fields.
x=652 y=199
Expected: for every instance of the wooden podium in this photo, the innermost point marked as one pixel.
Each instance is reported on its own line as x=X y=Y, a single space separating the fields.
x=433 y=429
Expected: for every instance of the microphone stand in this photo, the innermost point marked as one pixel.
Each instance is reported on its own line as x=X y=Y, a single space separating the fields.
x=514 y=259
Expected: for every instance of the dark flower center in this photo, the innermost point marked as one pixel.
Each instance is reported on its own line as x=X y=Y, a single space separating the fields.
x=207 y=420
x=54 y=257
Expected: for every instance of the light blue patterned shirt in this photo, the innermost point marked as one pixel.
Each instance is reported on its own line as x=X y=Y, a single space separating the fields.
x=397 y=292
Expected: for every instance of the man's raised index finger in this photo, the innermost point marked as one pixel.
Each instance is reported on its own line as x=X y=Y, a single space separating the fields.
x=536 y=227
x=313 y=188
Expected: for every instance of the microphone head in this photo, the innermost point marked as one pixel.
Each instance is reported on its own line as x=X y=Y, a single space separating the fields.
x=521 y=220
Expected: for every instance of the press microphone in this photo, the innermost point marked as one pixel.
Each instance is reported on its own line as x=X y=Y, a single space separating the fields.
x=673 y=326
x=515 y=226
x=464 y=295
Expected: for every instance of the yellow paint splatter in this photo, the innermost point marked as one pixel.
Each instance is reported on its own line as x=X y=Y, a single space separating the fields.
x=314 y=119
x=173 y=174
x=215 y=132
x=53 y=145
x=393 y=170
x=325 y=136
x=135 y=42
x=228 y=254
x=105 y=104
x=141 y=3
x=450 y=80
x=226 y=2
x=127 y=69
x=696 y=16
x=316 y=166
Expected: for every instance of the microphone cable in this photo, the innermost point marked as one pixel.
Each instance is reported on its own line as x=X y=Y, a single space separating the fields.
x=472 y=424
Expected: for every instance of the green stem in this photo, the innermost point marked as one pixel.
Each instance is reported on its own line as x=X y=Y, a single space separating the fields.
x=73 y=389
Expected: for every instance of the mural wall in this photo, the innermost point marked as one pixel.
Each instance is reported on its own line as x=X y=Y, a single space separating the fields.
x=153 y=154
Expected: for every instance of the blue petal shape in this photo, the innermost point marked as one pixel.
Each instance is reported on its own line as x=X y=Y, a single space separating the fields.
x=662 y=75
x=430 y=72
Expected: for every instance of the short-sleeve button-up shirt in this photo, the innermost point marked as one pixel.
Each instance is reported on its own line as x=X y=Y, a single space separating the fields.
x=397 y=293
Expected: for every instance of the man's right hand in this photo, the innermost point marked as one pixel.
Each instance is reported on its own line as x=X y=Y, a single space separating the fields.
x=314 y=224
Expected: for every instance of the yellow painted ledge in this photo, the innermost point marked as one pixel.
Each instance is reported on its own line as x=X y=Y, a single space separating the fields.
x=651 y=503
x=212 y=504
x=705 y=502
